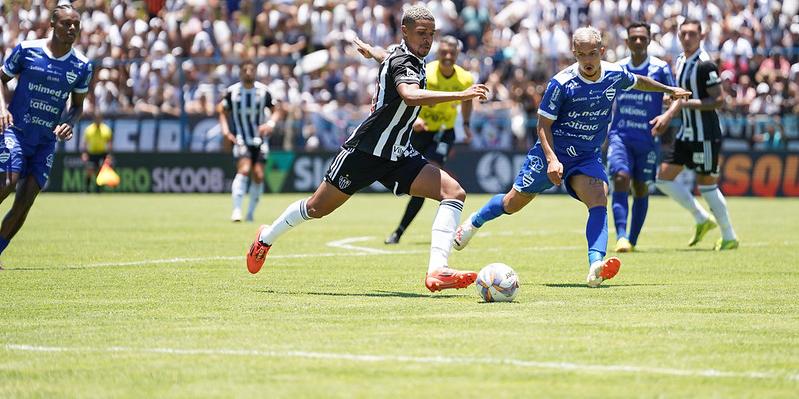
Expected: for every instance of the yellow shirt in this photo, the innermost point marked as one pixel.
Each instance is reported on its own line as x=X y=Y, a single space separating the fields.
x=444 y=114
x=97 y=138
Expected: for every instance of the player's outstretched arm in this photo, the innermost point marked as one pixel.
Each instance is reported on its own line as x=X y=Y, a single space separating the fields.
x=6 y=119
x=369 y=51
x=554 y=167
x=645 y=83
x=661 y=122
x=415 y=96
x=714 y=100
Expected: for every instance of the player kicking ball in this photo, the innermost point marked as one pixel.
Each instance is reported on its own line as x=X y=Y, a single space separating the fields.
x=379 y=150
x=572 y=125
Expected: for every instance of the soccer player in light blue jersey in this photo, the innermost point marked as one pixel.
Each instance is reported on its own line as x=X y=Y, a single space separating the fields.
x=573 y=122
x=632 y=148
x=48 y=72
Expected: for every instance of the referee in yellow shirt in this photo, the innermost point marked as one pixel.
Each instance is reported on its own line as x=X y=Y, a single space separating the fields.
x=95 y=146
x=434 y=129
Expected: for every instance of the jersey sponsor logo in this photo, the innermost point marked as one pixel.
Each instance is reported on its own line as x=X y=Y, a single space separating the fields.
x=398 y=150
x=39 y=88
x=699 y=158
x=585 y=114
x=628 y=124
x=71 y=77
x=527 y=179
x=343 y=182
x=43 y=106
x=610 y=93
x=10 y=142
x=35 y=120
x=632 y=111
x=412 y=75
x=571 y=85
x=651 y=157
x=640 y=97
x=536 y=164
x=36 y=68
x=49 y=162
x=581 y=126
x=554 y=97
x=571 y=151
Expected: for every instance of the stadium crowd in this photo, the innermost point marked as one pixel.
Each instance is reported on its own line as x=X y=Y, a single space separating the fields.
x=173 y=57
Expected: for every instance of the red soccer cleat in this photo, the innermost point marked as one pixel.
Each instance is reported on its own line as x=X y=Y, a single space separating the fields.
x=446 y=278
x=257 y=253
x=603 y=270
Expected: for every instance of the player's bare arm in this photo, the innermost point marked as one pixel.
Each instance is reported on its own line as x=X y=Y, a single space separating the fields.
x=714 y=100
x=267 y=128
x=466 y=111
x=220 y=109
x=645 y=83
x=64 y=130
x=6 y=119
x=369 y=51
x=661 y=122
x=415 y=96
x=554 y=167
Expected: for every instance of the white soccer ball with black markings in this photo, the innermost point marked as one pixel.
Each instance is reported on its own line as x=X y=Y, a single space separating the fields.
x=497 y=282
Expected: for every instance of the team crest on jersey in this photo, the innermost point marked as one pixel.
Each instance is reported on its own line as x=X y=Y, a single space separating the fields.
x=536 y=164
x=9 y=141
x=344 y=182
x=412 y=75
x=71 y=77
x=610 y=93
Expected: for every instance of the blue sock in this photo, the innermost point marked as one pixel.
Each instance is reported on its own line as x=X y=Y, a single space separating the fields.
x=640 y=206
x=491 y=210
x=3 y=244
x=596 y=232
x=620 y=208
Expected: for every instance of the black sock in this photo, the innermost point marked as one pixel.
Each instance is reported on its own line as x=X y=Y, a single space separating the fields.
x=414 y=205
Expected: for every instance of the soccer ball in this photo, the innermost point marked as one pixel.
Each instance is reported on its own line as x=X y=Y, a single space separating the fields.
x=497 y=282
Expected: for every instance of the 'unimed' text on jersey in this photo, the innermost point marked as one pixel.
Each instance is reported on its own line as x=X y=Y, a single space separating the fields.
x=44 y=85
x=581 y=109
x=698 y=73
x=635 y=108
x=248 y=110
x=386 y=132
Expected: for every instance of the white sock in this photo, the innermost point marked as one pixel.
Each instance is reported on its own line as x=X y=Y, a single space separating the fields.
x=255 y=195
x=444 y=225
x=237 y=189
x=295 y=214
x=683 y=197
x=718 y=205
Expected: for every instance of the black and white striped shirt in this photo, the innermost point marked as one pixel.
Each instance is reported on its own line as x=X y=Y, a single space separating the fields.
x=247 y=108
x=386 y=132
x=698 y=73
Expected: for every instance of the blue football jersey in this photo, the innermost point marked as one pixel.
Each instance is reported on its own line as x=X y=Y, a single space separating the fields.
x=635 y=108
x=44 y=85
x=581 y=109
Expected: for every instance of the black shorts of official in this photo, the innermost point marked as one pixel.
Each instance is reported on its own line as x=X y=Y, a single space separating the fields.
x=254 y=152
x=97 y=159
x=434 y=146
x=701 y=156
x=353 y=170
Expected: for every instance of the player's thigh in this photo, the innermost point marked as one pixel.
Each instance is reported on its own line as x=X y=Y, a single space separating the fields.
x=258 y=172
x=592 y=191
x=243 y=165
x=326 y=199
x=434 y=183
x=675 y=158
x=515 y=200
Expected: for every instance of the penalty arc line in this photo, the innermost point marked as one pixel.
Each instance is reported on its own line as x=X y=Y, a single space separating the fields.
x=558 y=366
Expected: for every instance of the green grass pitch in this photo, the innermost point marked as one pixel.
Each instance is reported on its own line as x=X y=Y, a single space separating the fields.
x=132 y=296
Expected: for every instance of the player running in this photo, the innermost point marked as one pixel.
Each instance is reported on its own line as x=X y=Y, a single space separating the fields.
x=632 y=148
x=49 y=71
x=434 y=129
x=379 y=150
x=572 y=125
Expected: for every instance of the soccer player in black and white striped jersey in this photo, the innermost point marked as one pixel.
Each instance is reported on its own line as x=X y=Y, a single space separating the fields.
x=698 y=143
x=247 y=114
x=379 y=150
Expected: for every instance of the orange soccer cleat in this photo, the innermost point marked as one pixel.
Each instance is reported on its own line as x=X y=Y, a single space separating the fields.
x=446 y=278
x=257 y=253
x=602 y=270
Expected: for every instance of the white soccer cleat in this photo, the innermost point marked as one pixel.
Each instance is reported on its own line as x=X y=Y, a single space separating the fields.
x=602 y=270
x=463 y=234
x=236 y=216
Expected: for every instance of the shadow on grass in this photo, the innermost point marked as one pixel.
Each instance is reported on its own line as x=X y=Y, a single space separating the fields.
x=375 y=294
x=573 y=285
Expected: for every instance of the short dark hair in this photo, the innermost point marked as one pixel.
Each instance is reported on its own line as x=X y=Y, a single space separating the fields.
x=692 y=21
x=639 y=24
x=59 y=9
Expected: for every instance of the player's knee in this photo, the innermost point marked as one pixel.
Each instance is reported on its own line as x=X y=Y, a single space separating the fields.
x=621 y=182
x=317 y=211
x=453 y=190
x=640 y=189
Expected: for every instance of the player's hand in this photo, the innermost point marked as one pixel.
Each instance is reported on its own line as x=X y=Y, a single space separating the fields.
x=63 y=132
x=265 y=129
x=555 y=172
x=363 y=48
x=6 y=120
x=419 y=125
x=678 y=93
x=478 y=91
x=467 y=131
x=660 y=124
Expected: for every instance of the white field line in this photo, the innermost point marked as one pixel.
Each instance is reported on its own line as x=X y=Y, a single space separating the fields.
x=351 y=357
x=345 y=244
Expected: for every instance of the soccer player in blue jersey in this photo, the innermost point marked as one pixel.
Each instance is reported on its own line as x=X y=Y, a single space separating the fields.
x=632 y=148
x=49 y=71
x=573 y=122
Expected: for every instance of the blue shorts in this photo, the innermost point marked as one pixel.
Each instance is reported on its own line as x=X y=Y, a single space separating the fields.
x=27 y=156
x=636 y=158
x=533 y=179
